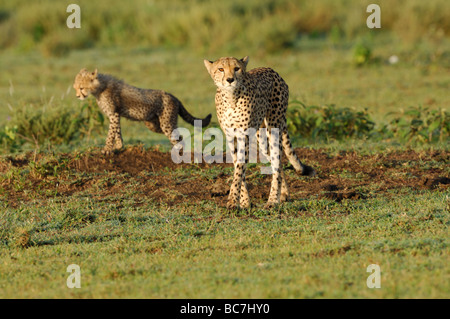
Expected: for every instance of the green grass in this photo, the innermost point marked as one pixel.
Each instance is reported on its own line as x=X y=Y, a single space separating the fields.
x=308 y=249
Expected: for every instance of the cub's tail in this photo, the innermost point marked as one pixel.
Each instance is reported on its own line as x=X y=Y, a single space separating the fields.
x=185 y=115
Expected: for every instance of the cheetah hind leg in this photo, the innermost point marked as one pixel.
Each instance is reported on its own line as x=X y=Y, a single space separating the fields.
x=284 y=196
x=277 y=178
x=153 y=126
x=168 y=123
x=275 y=192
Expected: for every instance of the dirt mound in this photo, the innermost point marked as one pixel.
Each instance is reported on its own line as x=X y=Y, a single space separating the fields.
x=345 y=176
x=131 y=160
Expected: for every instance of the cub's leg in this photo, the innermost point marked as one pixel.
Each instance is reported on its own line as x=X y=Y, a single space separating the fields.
x=154 y=125
x=168 y=119
x=114 y=138
x=118 y=141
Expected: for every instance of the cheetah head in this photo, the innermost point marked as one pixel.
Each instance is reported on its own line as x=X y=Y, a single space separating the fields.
x=86 y=83
x=227 y=73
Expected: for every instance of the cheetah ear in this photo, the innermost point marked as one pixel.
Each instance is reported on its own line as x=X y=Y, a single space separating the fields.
x=245 y=60
x=208 y=65
x=94 y=74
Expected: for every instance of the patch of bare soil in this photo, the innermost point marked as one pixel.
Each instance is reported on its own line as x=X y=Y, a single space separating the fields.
x=346 y=176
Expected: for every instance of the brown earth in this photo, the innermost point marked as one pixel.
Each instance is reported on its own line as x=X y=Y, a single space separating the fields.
x=154 y=176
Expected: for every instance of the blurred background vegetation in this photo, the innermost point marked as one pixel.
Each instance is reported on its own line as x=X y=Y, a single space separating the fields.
x=323 y=49
x=208 y=26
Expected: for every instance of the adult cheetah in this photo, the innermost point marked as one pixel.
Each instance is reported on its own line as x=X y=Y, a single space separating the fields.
x=159 y=110
x=254 y=99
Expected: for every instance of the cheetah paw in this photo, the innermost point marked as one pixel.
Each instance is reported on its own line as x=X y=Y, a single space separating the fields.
x=269 y=205
x=232 y=206
x=106 y=151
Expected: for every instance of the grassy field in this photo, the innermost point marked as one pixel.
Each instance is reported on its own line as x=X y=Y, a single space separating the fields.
x=315 y=77
x=140 y=226
x=149 y=228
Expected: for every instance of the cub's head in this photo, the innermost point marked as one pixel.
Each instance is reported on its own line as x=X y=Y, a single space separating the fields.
x=86 y=83
x=227 y=73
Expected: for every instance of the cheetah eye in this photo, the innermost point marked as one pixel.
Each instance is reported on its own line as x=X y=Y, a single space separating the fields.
x=236 y=69
x=221 y=69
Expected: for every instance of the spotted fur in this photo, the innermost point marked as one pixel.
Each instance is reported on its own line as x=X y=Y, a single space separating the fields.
x=159 y=110
x=254 y=99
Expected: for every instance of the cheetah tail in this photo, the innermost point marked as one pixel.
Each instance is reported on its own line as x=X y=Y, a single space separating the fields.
x=292 y=157
x=185 y=115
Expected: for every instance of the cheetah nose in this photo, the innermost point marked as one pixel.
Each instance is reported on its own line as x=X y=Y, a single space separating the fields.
x=230 y=80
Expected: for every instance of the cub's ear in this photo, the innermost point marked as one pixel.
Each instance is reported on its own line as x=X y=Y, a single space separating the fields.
x=94 y=74
x=245 y=60
x=208 y=65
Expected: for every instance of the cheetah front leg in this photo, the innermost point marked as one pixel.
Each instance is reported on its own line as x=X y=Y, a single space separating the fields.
x=235 y=189
x=244 y=200
x=239 y=197
x=114 y=138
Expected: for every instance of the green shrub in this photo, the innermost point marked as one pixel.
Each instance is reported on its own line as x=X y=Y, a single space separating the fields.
x=362 y=53
x=415 y=125
x=51 y=125
x=9 y=139
x=328 y=122
x=418 y=124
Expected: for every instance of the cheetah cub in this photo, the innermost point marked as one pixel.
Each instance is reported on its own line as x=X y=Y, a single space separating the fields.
x=254 y=99
x=159 y=110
